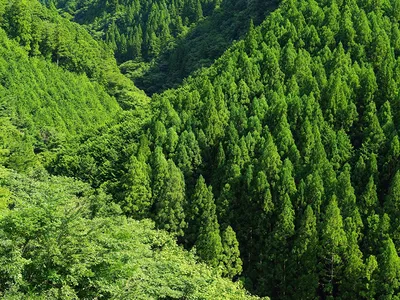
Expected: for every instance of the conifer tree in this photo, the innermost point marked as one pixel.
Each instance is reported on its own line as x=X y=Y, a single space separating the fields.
x=287 y=184
x=369 y=199
x=389 y=271
x=282 y=235
x=168 y=194
x=270 y=160
x=230 y=256
x=304 y=261
x=392 y=160
x=251 y=39
x=354 y=272
x=332 y=248
x=347 y=200
x=373 y=134
x=203 y=224
x=262 y=191
x=314 y=192
x=136 y=182
x=392 y=207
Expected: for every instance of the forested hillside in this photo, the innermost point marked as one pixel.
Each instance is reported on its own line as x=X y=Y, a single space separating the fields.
x=164 y=41
x=56 y=82
x=43 y=33
x=282 y=159
x=42 y=105
x=59 y=237
x=278 y=166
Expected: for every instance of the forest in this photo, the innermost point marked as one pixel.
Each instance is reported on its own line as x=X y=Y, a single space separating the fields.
x=199 y=149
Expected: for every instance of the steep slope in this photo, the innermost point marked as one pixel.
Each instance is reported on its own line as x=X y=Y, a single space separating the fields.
x=201 y=45
x=59 y=238
x=47 y=104
x=291 y=140
x=56 y=82
x=43 y=33
x=39 y=94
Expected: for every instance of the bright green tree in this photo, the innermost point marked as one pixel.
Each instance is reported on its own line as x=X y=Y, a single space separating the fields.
x=203 y=224
x=332 y=248
x=230 y=256
x=137 y=200
x=168 y=194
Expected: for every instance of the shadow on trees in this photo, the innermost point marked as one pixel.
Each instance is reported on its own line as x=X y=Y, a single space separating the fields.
x=204 y=43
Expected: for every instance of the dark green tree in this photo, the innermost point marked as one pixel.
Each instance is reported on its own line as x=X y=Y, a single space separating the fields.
x=304 y=259
x=392 y=207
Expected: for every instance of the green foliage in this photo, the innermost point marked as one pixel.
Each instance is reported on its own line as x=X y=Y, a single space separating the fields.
x=163 y=41
x=43 y=33
x=389 y=271
x=169 y=197
x=16 y=149
x=54 y=245
x=231 y=262
x=204 y=224
x=35 y=94
x=305 y=252
x=284 y=152
x=333 y=245
x=56 y=82
x=138 y=198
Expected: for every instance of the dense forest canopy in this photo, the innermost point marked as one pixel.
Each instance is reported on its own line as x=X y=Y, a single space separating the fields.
x=43 y=33
x=59 y=237
x=277 y=167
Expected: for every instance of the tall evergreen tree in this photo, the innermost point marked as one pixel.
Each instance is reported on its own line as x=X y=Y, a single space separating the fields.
x=230 y=256
x=203 y=224
x=168 y=194
x=136 y=183
x=304 y=261
x=332 y=248
x=392 y=207
x=389 y=271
